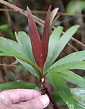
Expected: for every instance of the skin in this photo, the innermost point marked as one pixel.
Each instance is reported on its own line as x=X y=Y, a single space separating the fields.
x=23 y=99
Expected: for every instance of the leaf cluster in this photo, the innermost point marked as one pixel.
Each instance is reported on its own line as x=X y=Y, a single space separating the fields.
x=58 y=72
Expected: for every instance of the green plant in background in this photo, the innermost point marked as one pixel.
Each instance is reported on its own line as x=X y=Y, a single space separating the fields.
x=10 y=0
x=5 y=28
x=39 y=58
x=74 y=7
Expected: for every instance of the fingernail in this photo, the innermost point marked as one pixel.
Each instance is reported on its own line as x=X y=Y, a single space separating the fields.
x=45 y=100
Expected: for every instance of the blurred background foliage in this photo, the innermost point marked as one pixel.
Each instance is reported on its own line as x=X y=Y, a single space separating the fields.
x=71 y=12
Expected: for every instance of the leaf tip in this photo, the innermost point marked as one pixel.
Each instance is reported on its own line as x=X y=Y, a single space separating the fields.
x=77 y=26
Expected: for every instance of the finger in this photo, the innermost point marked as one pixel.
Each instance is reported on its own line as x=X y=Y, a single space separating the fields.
x=18 y=95
x=36 y=103
x=3 y=106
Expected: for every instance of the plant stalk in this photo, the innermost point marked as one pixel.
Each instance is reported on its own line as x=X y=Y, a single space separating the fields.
x=53 y=103
x=45 y=91
x=42 y=83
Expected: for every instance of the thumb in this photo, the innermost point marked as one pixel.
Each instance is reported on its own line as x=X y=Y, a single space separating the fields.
x=36 y=103
x=40 y=102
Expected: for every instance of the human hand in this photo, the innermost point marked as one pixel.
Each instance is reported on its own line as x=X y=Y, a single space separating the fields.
x=23 y=99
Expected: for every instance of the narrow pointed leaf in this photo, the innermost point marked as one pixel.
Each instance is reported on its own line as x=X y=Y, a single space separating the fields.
x=29 y=68
x=72 y=65
x=73 y=57
x=53 y=14
x=79 y=106
x=62 y=42
x=65 y=39
x=62 y=88
x=58 y=99
x=45 y=37
x=25 y=45
x=73 y=78
x=9 y=43
x=17 y=85
x=35 y=39
x=11 y=48
x=53 y=42
x=79 y=95
x=69 y=76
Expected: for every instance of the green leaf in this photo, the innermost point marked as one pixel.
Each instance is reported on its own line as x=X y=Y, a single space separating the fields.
x=53 y=41
x=73 y=6
x=61 y=87
x=73 y=78
x=30 y=68
x=10 y=0
x=72 y=65
x=17 y=85
x=25 y=45
x=57 y=98
x=60 y=44
x=7 y=50
x=73 y=57
x=65 y=38
x=4 y=27
x=31 y=63
x=79 y=95
x=70 y=76
x=26 y=48
x=79 y=106
x=9 y=43
x=11 y=48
